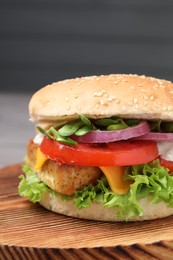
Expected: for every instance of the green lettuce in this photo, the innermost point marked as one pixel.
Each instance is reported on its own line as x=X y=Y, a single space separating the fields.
x=149 y=179
x=31 y=186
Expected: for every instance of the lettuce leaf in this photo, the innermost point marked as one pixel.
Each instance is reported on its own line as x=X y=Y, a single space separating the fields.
x=31 y=186
x=147 y=180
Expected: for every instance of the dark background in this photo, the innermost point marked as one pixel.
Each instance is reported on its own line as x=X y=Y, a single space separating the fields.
x=42 y=41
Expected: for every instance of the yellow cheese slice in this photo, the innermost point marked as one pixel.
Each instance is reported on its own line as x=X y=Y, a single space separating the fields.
x=40 y=159
x=114 y=175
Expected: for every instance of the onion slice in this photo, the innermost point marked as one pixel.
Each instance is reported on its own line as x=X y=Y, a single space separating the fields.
x=158 y=137
x=99 y=136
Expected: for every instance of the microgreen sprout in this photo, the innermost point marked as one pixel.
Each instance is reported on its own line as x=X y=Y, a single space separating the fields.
x=61 y=131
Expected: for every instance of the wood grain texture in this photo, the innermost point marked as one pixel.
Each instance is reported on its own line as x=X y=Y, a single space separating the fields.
x=28 y=231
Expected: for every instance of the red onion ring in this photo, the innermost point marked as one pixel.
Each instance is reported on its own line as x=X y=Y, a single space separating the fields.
x=154 y=136
x=99 y=136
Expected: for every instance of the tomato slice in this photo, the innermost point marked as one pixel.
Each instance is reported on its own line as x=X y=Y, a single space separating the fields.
x=166 y=164
x=122 y=153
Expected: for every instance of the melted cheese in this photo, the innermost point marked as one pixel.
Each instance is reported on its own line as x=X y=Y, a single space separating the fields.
x=40 y=159
x=114 y=176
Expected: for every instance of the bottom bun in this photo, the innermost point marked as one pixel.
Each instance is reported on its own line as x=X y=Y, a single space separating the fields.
x=97 y=212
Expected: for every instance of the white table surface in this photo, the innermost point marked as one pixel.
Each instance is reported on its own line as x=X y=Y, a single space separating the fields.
x=15 y=127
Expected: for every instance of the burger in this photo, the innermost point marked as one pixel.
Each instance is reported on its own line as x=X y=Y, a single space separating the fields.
x=103 y=148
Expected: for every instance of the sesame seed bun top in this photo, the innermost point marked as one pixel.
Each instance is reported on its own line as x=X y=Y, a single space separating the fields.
x=127 y=96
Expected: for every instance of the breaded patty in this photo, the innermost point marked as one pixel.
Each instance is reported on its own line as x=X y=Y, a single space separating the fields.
x=63 y=178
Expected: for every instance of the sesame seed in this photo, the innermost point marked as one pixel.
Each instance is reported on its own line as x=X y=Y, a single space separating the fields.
x=145 y=97
x=66 y=99
x=98 y=94
x=116 y=82
x=104 y=103
x=136 y=105
x=106 y=95
x=135 y=100
x=109 y=99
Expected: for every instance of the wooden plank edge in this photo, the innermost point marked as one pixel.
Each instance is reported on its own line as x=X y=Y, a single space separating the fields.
x=158 y=250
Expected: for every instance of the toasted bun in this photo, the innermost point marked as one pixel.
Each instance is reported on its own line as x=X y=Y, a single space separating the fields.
x=128 y=96
x=97 y=212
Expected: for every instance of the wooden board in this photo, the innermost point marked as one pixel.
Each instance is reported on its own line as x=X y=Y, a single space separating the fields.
x=28 y=231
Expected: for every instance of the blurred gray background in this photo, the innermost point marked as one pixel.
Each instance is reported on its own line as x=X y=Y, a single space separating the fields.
x=42 y=41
